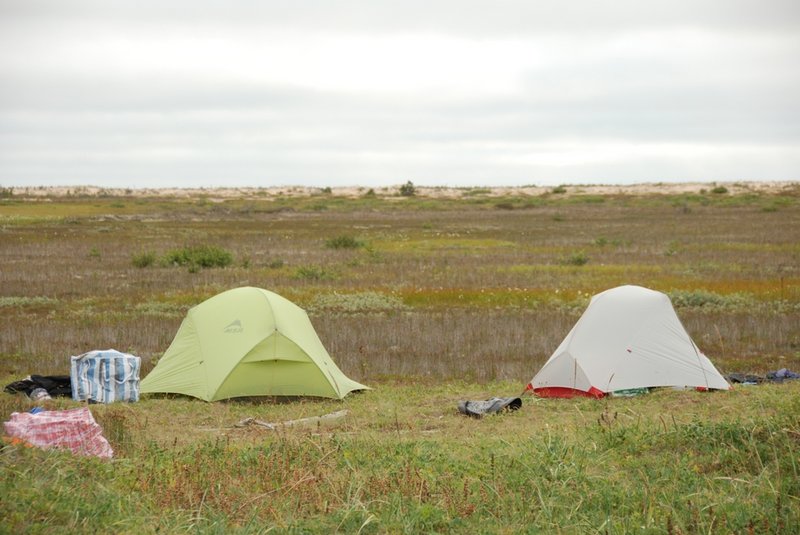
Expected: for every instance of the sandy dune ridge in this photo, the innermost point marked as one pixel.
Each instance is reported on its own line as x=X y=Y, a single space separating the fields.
x=222 y=193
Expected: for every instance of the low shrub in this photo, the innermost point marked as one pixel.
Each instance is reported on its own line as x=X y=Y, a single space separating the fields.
x=200 y=256
x=578 y=258
x=408 y=189
x=344 y=241
x=144 y=259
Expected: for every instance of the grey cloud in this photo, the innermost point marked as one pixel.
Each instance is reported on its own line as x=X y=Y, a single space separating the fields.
x=84 y=122
x=473 y=17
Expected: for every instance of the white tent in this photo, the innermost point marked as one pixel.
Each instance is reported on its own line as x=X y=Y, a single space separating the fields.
x=629 y=337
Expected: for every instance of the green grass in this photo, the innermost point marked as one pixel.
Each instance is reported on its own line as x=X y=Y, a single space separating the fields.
x=405 y=461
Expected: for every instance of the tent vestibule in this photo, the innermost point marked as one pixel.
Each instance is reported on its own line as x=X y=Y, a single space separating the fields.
x=247 y=342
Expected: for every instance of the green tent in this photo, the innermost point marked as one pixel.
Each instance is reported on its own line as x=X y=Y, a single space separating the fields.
x=247 y=342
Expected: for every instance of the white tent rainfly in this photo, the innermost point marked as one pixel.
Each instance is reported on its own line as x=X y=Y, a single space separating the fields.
x=628 y=338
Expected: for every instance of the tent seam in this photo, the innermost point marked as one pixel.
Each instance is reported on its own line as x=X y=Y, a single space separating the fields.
x=227 y=375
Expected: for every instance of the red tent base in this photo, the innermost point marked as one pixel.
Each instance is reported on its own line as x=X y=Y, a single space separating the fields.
x=565 y=392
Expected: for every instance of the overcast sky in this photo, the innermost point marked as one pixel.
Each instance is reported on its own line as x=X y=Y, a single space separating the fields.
x=369 y=92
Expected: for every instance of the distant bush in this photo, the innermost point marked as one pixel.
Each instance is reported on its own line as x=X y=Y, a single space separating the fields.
x=327 y=190
x=576 y=259
x=6 y=193
x=343 y=242
x=720 y=190
x=559 y=189
x=370 y=193
x=504 y=206
x=200 y=256
x=144 y=259
x=314 y=273
x=408 y=189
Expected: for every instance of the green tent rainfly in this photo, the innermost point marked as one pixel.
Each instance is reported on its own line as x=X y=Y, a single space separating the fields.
x=247 y=342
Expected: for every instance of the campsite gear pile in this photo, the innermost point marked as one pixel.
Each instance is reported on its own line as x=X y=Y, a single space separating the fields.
x=97 y=377
x=777 y=376
x=782 y=375
x=74 y=429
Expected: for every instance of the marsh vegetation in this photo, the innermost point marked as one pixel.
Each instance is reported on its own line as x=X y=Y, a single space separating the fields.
x=428 y=299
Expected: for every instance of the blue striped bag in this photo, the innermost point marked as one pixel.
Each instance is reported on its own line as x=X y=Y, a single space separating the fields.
x=105 y=376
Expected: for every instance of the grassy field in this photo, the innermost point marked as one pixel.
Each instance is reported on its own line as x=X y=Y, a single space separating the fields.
x=429 y=299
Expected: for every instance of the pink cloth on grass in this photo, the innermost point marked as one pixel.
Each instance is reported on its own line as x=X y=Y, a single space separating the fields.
x=73 y=429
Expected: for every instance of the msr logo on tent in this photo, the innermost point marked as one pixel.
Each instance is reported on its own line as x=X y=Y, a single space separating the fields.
x=234 y=327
